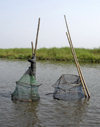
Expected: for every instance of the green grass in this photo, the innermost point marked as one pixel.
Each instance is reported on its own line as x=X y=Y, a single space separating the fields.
x=55 y=54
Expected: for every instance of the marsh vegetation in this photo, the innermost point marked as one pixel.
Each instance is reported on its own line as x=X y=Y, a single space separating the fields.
x=53 y=54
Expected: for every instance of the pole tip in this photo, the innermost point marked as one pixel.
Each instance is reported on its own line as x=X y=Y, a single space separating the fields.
x=31 y=42
x=39 y=18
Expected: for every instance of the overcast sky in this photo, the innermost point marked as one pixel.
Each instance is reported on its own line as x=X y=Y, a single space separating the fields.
x=19 y=18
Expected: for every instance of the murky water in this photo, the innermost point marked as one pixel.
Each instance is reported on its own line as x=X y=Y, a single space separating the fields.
x=48 y=112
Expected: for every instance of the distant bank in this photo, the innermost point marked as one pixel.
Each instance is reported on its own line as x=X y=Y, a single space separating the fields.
x=53 y=54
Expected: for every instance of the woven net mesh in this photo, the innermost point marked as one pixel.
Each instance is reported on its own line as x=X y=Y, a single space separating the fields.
x=68 y=87
x=27 y=87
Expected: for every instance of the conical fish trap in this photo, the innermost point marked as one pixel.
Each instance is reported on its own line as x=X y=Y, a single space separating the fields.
x=27 y=87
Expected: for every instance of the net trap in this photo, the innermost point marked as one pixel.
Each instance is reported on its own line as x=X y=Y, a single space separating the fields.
x=68 y=86
x=27 y=86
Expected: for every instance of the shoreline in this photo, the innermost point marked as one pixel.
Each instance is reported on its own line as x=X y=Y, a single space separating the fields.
x=53 y=54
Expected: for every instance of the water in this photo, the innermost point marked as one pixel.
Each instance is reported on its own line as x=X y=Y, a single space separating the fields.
x=48 y=112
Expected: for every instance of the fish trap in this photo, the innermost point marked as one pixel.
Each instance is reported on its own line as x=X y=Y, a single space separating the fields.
x=68 y=87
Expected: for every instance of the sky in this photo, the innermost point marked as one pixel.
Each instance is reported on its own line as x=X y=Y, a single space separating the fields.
x=19 y=19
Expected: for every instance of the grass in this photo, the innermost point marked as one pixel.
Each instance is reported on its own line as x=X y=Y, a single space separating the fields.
x=55 y=54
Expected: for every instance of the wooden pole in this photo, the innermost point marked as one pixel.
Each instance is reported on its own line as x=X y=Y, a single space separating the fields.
x=77 y=66
x=86 y=92
x=37 y=36
x=32 y=48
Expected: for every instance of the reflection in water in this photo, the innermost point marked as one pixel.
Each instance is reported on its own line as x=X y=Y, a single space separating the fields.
x=26 y=114
x=48 y=112
x=59 y=113
x=72 y=112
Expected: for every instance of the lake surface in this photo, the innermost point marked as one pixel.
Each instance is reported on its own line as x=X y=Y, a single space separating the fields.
x=48 y=112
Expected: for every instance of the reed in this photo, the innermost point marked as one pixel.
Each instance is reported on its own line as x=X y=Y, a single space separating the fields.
x=55 y=54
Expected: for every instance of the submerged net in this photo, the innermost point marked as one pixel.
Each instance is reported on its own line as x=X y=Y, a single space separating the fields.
x=27 y=87
x=68 y=87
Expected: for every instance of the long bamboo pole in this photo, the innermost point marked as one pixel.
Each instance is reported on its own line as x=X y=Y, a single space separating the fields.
x=86 y=92
x=80 y=73
x=37 y=36
x=77 y=66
